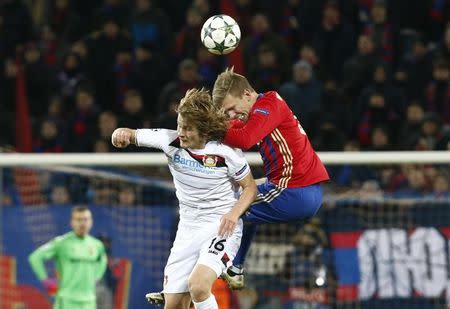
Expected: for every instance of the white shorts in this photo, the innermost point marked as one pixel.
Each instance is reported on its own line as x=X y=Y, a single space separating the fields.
x=197 y=242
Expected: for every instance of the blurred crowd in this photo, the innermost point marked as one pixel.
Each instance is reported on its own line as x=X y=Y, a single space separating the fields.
x=364 y=74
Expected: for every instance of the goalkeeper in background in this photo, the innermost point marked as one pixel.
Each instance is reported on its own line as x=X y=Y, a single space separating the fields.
x=80 y=261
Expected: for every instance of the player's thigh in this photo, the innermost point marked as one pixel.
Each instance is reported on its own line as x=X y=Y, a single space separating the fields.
x=275 y=205
x=202 y=276
x=182 y=259
x=217 y=251
x=177 y=300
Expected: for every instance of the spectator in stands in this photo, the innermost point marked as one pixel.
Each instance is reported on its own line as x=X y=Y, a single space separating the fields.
x=443 y=50
x=16 y=26
x=82 y=124
x=378 y=112
x=151 y=24
x=188 y=78
x=49 y=139
x=439 y=14
x=431 y=135
x=117 y=9
x=107 y=122
x=441 y=186
x=416 y=66
x=382 y=31
x=410 y=129
x=122 y=69
x=101 y=146
x=187 y=41
x=289 y=25
x=262 y=35
x=149 y=74
x=127 y=196
x=64 y=20
x=168 y=119
x=132 y=115
x=303 y=93
x=382 y=84
x=70 y=77
x=103 y=47
x=306 y=265
x=309 y=53
x=209 y=66
x=51 y=49
x=334 y=40
x=380 y=140
x=104 y=194
x=265 y=73
x=351 y=175
x=437 y=93
x=358 y=70
x=329 y=137
x=39 y=80
x=60 y=195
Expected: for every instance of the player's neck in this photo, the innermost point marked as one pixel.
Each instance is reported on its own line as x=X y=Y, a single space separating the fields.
x=199 y=146
x=81 y=236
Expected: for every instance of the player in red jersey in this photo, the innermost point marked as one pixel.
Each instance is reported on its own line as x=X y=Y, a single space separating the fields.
x=292 y=191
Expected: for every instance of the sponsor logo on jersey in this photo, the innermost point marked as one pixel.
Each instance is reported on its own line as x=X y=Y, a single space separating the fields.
x=191 y=163
x=210 y=161
x=263 y=111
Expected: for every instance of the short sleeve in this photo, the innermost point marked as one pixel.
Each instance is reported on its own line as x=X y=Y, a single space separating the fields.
x=238 y=166
x=155 y=138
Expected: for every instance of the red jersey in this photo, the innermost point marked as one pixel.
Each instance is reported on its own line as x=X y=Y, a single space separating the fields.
x=289 y=159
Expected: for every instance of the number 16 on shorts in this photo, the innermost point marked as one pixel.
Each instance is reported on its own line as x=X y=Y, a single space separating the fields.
x=217 y=245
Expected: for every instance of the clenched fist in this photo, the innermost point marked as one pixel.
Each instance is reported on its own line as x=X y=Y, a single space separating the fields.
x=122 y=137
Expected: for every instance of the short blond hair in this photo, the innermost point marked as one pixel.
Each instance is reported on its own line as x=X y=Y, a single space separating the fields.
x=198 y=110
x=230 y=83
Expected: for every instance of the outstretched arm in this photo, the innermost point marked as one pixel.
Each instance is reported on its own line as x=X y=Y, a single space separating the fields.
x=154 y=138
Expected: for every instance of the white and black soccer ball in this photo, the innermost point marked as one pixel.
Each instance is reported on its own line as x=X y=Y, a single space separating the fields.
x=220 y=34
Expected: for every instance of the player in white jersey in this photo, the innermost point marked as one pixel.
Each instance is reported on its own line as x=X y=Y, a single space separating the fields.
x=205 y=173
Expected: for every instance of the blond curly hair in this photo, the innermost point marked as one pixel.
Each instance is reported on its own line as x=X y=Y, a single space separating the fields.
x=198 y=110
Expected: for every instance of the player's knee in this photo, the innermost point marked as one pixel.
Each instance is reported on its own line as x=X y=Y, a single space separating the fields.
x=199 y=289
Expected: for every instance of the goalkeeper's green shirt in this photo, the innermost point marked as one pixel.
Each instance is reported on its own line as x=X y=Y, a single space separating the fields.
x=80 y=262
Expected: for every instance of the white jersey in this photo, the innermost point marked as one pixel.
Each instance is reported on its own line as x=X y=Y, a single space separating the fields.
x=204 y=178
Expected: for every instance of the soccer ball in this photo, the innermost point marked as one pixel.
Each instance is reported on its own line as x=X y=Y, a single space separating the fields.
x=220 y=34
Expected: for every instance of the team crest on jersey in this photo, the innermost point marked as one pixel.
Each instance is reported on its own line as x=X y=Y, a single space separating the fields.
x=210 y=160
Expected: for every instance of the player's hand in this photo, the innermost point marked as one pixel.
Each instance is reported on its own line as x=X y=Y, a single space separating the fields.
x=51 y=285
x=122 y=137
x=227 y=224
